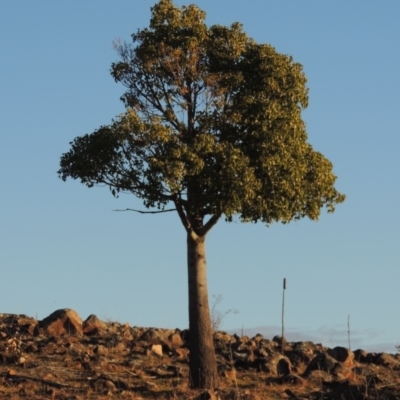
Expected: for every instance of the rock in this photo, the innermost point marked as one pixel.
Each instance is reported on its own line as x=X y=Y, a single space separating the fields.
x=18 y=324
x=277 y=365
x=321 y=362
x=283 y=366
x=267 y=344
x=62 y=322
x=21 y=360
x=386 y=360
x=152 y=336
x=223 y=339
x=343 y=355
x=52 y=348
x=278 y=339
x=100 y=350
x=157 y=349
x=307 y=348
x=12 y=372
x=138 y=349
x=222 y=335
x=258 y=338
x=181 y=354
x=360 y=356
x=93 y=325
x=103 y=386
x=242 y=338
x=127 y=332
x=176 y=339
x=136 y=332
x=299 y=359
x=240 y=346
x=120 y=347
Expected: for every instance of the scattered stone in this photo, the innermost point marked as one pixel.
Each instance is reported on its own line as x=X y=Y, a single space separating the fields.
x=12 y=372
x=157 y=349
x=22 y=360
x=110 y=359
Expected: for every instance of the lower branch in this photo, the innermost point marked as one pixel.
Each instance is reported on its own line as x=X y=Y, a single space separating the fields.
x=148 y=212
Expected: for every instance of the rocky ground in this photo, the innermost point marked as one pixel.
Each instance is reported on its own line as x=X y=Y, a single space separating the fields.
x=63 y=357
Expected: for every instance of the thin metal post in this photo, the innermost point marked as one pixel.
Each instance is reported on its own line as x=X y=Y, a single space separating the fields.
x=283 y=312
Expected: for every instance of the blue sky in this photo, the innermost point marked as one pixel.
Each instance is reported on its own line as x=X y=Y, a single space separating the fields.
x=63 y=246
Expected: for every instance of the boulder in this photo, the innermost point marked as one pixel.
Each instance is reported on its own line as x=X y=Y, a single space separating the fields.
x=321 y=362
x=300 y=354
x=278 y=339
x=62 y=322
x=277 y=365
x=153 y=336
x=93 y=325
x=176 y=339
x=343 y=355
x=258 y=337
x=283 y=366
x=361 y=356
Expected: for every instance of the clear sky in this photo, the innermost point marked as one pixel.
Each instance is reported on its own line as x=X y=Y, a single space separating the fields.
x=62 y=245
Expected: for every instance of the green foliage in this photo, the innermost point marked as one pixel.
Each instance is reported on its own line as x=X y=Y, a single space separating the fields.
x=213 y=124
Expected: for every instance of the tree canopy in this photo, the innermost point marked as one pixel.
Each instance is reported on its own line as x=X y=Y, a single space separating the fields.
x=211 y=113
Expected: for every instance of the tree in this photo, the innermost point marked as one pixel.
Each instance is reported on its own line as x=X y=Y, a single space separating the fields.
x=212 y=126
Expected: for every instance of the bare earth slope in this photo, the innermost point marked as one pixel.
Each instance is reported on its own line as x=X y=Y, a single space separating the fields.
x=63 y=357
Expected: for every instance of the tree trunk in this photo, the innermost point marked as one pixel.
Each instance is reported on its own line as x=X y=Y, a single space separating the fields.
x=202 y=360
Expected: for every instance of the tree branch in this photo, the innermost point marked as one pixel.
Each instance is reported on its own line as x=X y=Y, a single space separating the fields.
x=210 y=223
x=184 y=218
x=148 y=212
